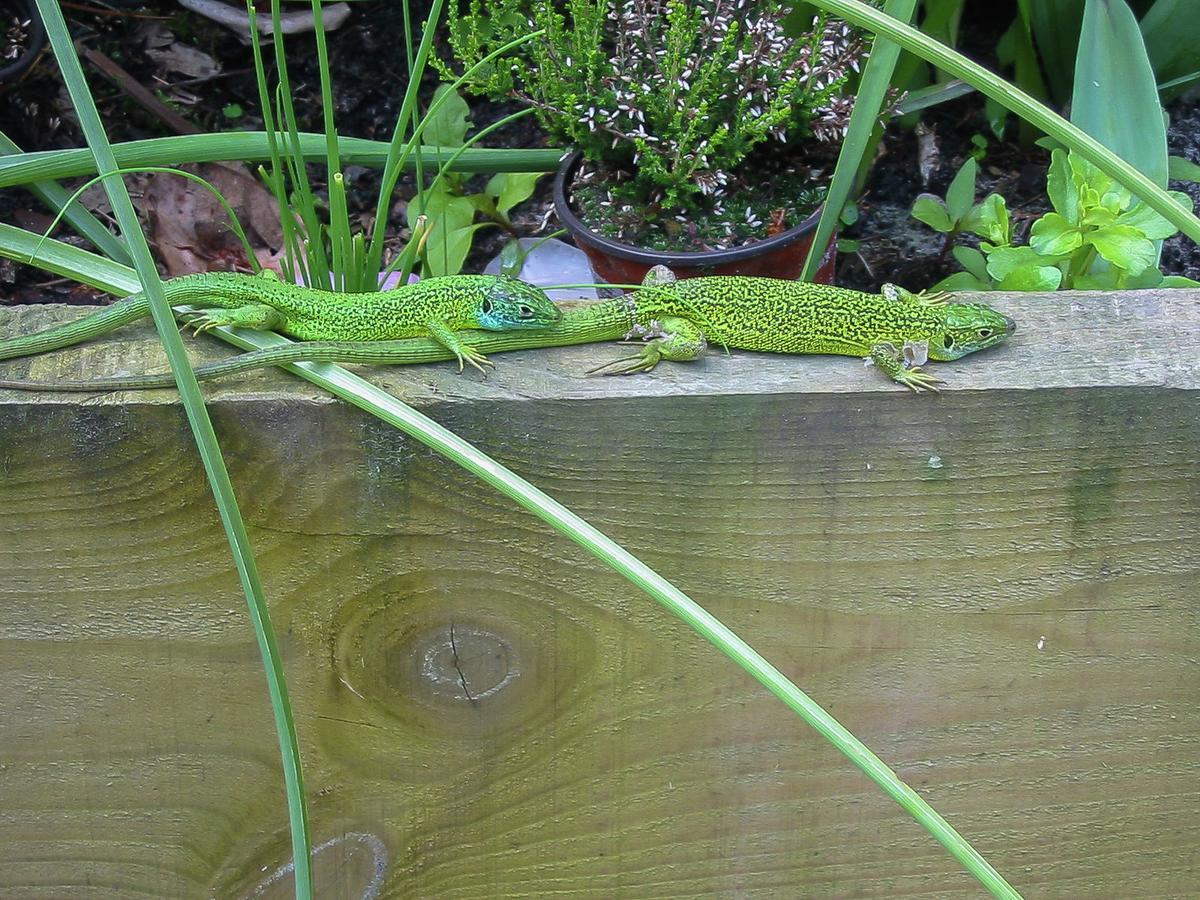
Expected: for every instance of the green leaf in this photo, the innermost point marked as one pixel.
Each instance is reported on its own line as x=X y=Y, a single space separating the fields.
x=1003 y=262
x=1171 y=29
x=1096 y=281
x=961 y=193
x=1178 y=281
x=931 y=210
x=1098 y=217
x=1181 y=169
x=512 y=258
x=1150 y=277
x=449 y=231
x=1031 y=278
x=447 y=127
x=1150 y=223
x=1054 y=235
x=962 y=281
x=511 y=188
x=1061 y=187
x=1125 y=247
x=1055 y=28
x=971 y=260
x=990 y=220
x=1115 y=98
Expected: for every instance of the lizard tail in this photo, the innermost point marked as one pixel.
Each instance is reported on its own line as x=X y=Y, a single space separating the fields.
x=130 y=309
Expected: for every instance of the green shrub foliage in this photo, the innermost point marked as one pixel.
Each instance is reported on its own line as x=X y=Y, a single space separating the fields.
x=670 y=95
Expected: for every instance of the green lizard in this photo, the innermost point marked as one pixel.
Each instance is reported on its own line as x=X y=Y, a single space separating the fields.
x=895 y=330
x=437 y=308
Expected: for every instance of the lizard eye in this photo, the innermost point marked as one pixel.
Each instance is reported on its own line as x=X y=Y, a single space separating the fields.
x=487 y=305
x=948 y=342
x=985 y=333
x=524 y=312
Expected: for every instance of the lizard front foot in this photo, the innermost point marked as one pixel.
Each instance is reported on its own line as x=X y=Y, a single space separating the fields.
x=468 y=354
x=898 y=365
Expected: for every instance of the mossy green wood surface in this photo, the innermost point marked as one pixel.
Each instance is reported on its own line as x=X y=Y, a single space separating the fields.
x=995 y=588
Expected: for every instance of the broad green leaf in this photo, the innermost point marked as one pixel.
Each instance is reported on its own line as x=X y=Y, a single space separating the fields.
x=1061 y=187
x=512 y=258
x=1031 y=278
x=1150 y=223
x=1181 y=169
x=962 y=281
x=1053 y=235
x=447 y=127
x=1006 y=260
x=485 y=203
x=1178 y=281
x=1099 y=217
x=961 y=193
x=1115 y=98
x=1171 y=31
x=511 y=188
x=1106 y=280
x=448 y=225
x=1148 y=278
x=1055 y=28
x=930 y=209
x=971 y=260
x=990 y=220
x=1088 y=177
x=1125 y=247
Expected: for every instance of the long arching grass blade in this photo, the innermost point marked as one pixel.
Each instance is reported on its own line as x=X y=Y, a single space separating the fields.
x=202 y=431
x=252 y=145
x=872 y=91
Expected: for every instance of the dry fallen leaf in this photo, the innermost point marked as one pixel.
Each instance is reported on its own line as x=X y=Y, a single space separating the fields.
x=190 y=228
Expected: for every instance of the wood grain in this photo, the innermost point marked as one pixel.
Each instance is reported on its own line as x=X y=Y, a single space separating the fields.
x=994 y=588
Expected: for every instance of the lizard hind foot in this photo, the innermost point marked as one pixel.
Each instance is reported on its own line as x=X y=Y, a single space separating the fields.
x=645 y=361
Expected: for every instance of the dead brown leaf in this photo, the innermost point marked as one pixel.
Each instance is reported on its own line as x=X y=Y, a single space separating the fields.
x=190 y=228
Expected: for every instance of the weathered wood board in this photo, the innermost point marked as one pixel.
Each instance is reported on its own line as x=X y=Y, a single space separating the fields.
x=995 y=588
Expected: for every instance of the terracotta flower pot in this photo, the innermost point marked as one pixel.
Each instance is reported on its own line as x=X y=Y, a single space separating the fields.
x=781 y=256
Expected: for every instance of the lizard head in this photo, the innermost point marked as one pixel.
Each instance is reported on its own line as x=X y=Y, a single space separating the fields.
x=969 y=327
x=509 y=304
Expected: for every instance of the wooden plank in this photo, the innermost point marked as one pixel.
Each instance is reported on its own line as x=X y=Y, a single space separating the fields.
x=995 y=588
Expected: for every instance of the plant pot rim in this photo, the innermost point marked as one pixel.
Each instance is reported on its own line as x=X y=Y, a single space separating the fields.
x=671 y=258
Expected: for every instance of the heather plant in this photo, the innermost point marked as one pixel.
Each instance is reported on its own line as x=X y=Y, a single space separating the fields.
x=666 y=99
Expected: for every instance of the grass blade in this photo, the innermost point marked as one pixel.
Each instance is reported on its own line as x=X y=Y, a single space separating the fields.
x=202 y=431
x=56 y=198
x=23 y=168
x=864 y=120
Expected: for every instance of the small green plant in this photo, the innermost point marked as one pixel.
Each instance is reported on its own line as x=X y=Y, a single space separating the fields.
x=666 y=99
x=1099 y=237
x=443 y=217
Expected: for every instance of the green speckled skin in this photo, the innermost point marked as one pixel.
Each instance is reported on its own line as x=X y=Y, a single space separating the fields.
x=794 y=317
x=450 y=304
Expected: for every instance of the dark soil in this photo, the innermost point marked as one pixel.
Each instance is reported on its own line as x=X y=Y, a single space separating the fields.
x=367 y=55
x=780 y=195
